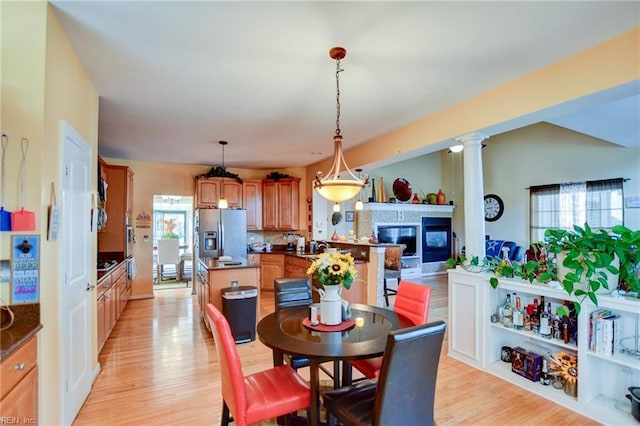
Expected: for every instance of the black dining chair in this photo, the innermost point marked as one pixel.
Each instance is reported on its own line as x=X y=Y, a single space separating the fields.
x=404 y=393
x=292 y=292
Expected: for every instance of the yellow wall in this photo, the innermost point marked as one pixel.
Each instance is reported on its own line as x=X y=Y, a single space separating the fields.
x=43 y=83
x=545 y=154
x=152 y=178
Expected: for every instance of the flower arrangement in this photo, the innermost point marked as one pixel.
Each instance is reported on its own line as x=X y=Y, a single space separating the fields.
x=334 y=268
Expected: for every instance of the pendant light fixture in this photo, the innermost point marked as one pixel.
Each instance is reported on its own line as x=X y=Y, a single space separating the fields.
x=222 y=202
x=330 y=186
x=359 y=204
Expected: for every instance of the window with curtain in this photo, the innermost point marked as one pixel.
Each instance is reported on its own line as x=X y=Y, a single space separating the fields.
x=598 y=203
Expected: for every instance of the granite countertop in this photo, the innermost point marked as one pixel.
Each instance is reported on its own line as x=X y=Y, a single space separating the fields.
x=237 y=263
x=25 y=325
x=308 y=255
x=103 y=273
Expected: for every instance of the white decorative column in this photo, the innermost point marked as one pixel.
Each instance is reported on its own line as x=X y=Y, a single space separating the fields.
x=474 y=230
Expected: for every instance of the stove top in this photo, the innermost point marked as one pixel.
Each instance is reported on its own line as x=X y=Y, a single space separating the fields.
x=105 y=266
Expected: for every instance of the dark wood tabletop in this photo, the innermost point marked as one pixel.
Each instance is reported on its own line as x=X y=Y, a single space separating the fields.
x=284 y=332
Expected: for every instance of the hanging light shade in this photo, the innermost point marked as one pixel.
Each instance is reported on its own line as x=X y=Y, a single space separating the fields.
x=330 y=185
x=359 y=204
x=222 y=202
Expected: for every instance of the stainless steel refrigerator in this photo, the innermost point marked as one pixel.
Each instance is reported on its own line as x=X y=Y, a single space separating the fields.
x=221 y=232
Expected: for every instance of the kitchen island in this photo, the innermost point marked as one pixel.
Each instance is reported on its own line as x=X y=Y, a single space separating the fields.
x=369 y=261
x=213 y=276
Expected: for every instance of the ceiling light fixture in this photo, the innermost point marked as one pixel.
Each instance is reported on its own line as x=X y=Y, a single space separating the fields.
x=330 y=186
x=336 y=207
x=222 y=202
x=456 y=148
x=359 y=204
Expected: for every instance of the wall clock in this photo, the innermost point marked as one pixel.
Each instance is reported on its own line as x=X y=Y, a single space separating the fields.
x=493 y=207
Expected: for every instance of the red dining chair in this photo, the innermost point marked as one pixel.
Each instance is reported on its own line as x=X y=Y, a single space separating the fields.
x=257 y=397
x=412 y=301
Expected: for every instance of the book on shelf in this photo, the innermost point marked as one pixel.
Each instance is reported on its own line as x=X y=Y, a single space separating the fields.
x=606 y=330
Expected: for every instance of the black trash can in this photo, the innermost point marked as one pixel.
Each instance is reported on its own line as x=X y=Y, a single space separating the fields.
x=239 y=306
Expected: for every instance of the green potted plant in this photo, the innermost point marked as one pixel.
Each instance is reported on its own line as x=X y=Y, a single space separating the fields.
x=595 y=261
x=628 y=250
x=587 y=262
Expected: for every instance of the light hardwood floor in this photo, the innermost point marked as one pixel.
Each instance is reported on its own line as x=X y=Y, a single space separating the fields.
x=159 y=367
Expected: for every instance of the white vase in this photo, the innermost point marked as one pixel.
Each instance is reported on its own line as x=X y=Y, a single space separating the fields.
x=330 y=304
x=612 y=279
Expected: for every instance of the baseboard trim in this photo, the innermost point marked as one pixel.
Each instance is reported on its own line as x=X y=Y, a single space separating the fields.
x=142 y=296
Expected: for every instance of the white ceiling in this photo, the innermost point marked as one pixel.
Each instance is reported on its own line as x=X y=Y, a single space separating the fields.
x=176 y=77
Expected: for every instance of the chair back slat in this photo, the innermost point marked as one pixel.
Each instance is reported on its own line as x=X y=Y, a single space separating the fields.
x=291 y=292
x=413 y=301
x=233 y=386
x=168 y=251
x=406 y=387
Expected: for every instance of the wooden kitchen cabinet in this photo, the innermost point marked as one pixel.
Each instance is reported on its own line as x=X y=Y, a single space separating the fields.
x=280 y=204
x=271 y=267
x=113 y=295
x=19 y=385
x=209 y=190
x=102 y=327
x=119 y=208
x=253 y=258
x=203 y=290
x=211 y=282
x=129 y=193
x=296 y=266
x=252 y=202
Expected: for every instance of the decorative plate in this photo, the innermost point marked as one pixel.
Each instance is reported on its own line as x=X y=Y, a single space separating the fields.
x=402 y=189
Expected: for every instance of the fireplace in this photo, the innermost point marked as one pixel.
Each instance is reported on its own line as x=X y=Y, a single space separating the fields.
x=436 y=239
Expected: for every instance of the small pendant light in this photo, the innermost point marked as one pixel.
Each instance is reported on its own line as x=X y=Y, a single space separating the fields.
x=222 y=202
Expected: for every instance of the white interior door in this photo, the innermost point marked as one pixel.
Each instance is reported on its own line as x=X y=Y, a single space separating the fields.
x=75 y=268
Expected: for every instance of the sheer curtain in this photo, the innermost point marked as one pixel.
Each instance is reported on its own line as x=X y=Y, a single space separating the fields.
x=544 y=210
x=573 y=204
x=605 y=203
x=598 y=203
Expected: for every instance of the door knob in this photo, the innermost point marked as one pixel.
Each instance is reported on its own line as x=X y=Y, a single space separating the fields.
x=90 y=286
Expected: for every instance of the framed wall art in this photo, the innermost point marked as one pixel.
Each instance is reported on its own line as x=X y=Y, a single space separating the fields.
x=349 y=216
x=25 y=268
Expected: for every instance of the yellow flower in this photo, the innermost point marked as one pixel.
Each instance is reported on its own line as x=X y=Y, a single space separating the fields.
x=334 y=268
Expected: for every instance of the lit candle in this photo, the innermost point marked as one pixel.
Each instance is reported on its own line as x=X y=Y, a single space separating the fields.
x=359 y=322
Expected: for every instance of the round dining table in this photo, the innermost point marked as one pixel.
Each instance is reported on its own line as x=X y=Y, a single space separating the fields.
x=286 y=332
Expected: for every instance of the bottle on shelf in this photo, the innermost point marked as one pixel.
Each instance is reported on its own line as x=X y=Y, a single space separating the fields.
x=544 y=377
x=541 y=306
x=535 y=317
x=565 y=330
x=557 y=327
x=518 y=316
x=527 y=317
x=545 y=323
x=507 y=313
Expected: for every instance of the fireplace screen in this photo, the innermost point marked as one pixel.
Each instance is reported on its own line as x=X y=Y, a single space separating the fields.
x=436 y=239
